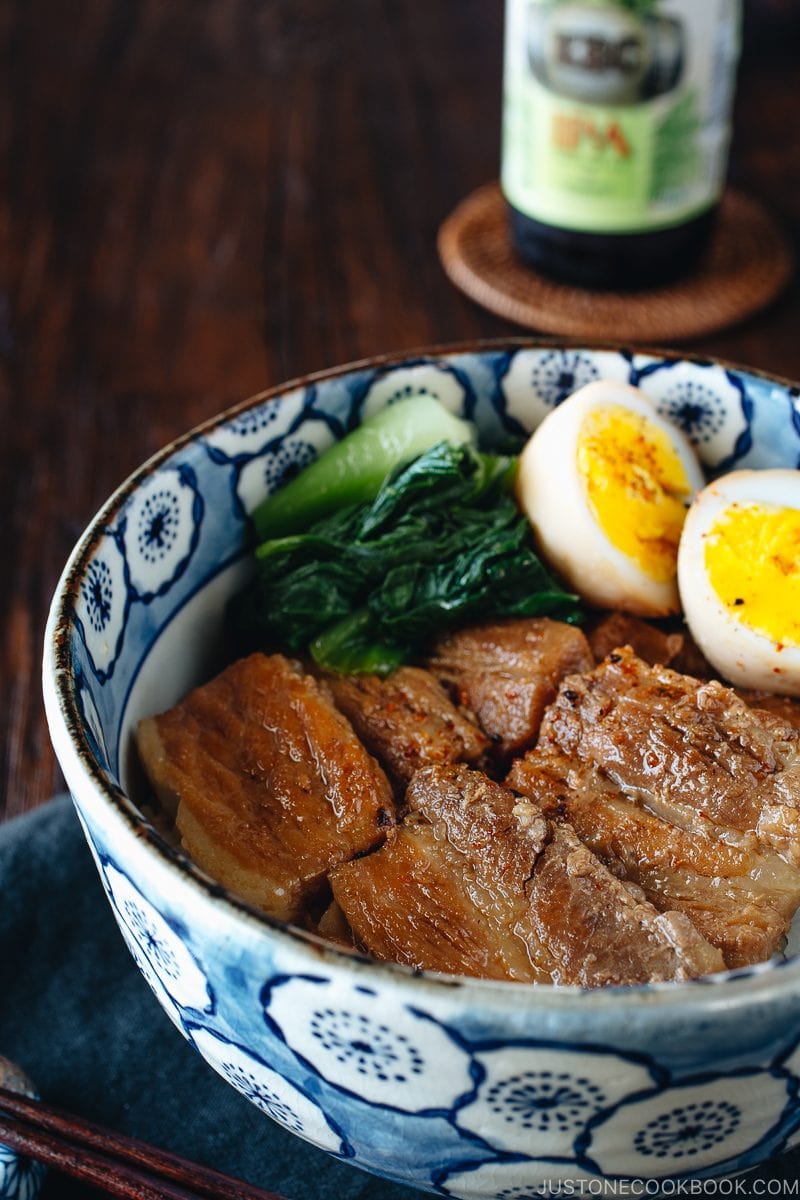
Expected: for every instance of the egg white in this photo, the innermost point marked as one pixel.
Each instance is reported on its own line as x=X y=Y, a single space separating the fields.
x=551 y=493
x=743 y=655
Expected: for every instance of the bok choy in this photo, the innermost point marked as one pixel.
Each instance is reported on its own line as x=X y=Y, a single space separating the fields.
x=368 y=587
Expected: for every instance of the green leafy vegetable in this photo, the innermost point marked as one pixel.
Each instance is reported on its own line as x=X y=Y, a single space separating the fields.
x=368 y=587
x=352 y=470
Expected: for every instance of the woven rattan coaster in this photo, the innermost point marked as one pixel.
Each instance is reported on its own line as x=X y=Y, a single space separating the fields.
x=747 y=264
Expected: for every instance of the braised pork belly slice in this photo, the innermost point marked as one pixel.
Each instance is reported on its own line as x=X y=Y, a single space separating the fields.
x=407 y=720
x=506 y=672
x=783 y=707
x=334 y=927
x=272 y=786
x=680 y=652
x=535 y=885
x=692 y=752
x=742 y=901
x=415 y=901
x=676 y=649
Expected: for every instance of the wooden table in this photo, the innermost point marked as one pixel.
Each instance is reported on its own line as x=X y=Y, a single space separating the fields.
x=201 y=198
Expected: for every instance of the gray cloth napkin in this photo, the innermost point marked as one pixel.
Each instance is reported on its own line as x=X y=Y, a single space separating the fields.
x=78 y=1017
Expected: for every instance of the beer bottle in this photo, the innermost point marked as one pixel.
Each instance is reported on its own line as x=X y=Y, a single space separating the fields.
x=616 y=125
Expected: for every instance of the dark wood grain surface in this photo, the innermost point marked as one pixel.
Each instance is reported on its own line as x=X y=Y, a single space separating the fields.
x=201 y=198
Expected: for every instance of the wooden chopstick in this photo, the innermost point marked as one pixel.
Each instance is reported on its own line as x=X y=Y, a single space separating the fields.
x=111 y=1161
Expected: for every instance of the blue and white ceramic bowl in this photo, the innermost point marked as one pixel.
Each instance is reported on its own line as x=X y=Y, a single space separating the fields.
x=460 y=1087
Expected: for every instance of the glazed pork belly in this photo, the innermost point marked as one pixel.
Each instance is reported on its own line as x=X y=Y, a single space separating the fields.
x=414 y=901
x=478 y=881
x=407 y=720
x=668 y=648
x=679 y=651
x=741 y=900
x=690 y=751
x=333 y=926
x=783 y=707
x=507 y=672
x=271 y=784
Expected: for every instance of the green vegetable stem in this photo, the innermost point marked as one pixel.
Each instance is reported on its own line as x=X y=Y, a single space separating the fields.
x=369 y=586
x=352 y=470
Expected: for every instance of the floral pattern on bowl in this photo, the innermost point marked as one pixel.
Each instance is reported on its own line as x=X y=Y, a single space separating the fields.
x=160 y=530
x=159 y=950
x=538 y=1100
x=253 y=431
x=709 y=403
x=438 y=380
x=687 y=1127
x=101 y=608
x=268 y=1090
x=274 y=467
x=536 y=381
x=346 y=1037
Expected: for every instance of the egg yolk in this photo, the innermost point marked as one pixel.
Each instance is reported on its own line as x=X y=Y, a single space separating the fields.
x=636 y=486
x=752 y=560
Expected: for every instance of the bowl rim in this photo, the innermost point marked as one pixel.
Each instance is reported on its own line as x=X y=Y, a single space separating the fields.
x=69 y=740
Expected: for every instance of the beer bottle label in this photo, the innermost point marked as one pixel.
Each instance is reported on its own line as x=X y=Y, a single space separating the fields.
x=616 y=113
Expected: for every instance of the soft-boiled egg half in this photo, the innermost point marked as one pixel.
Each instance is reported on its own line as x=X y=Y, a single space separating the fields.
x=606 y=482
x=739 y=577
